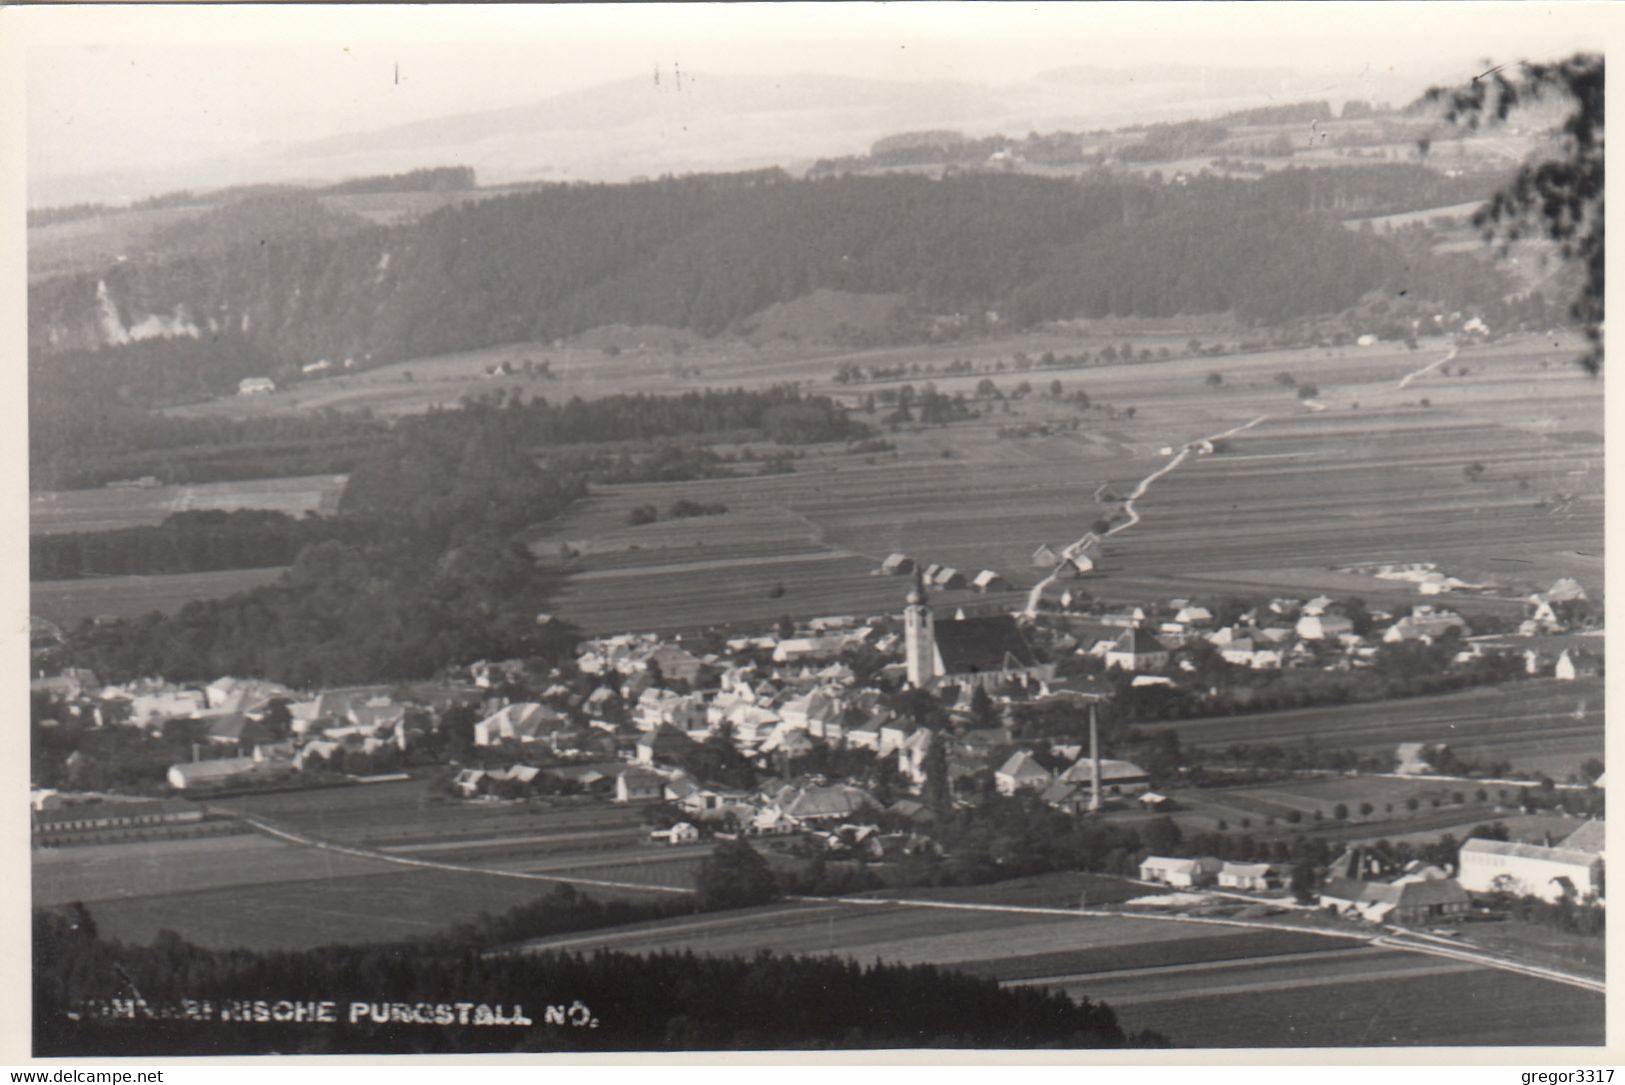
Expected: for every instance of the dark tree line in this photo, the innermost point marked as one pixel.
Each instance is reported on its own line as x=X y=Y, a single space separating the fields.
x=665 y=1001
x=200 y=540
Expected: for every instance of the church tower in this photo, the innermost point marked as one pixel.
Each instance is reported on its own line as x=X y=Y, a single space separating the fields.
x=920 y=637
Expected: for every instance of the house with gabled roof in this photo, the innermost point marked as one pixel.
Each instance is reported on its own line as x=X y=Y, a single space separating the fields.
x=638 y=785
x=525 y=721
x=1180 y=873
x=1137 y=650
x=1256 y=877
x=1118 y=779
x=988 y=580
x=1021 y=771
x=664 y=744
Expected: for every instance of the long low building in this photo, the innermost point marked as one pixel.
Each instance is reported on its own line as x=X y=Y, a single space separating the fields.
x=1531 y=870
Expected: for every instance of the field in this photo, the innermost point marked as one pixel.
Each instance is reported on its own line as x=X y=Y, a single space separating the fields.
x=52 y=512
x=1378 y=475
x=1360 y=998
x=265 y=892
x=1373 y=469
x=1201 y=985
x=67 y=602
x=1537 y=725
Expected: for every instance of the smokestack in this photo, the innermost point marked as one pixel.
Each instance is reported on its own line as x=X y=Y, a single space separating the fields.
x=194 y=752
x=1094 y=759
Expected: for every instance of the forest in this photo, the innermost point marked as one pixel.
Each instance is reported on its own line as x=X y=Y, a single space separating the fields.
x=197 y=540
x=426 y=563
x=665 y=1001
x=705 y=253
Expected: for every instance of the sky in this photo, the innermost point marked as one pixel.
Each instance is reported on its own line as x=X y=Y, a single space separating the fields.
x=160 y=84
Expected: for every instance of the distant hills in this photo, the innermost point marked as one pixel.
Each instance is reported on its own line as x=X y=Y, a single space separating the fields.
x=701 y=122
x=706 y=253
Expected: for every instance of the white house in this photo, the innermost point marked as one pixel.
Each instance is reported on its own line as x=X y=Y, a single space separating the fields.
x=1180 y=873
x=638 y=785
x=1257 y=877
x=681 y=833
x=522 y=722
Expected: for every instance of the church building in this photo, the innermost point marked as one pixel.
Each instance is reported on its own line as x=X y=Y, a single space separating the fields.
x=987 y=651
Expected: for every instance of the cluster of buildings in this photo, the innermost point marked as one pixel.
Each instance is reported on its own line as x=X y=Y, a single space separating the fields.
x=1280 y=634
x=1362 y=885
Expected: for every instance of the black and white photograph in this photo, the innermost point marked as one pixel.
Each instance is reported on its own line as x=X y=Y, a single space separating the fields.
x=751 y=528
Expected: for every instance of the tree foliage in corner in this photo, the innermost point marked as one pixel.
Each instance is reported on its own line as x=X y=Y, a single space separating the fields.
x=1562 y=196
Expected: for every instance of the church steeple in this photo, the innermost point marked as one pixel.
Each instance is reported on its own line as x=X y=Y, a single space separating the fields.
x=919 y=636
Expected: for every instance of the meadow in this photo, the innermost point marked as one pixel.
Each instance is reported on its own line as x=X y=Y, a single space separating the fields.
x=68 y=602
x=55 y=511
x=1380 y=474
x=1537 y=725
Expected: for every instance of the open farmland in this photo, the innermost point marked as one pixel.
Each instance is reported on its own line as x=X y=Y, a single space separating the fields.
x=1537 y=725
x=1285 y=505
x=99 y=872
x=1358 y=998
x=409 y=815
x=54 y=511
x=1200 y=984
x=432 y=864
x=68 y=602
x=382 y=907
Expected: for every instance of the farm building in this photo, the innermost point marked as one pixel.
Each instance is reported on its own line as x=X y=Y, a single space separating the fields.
x=1422 y=901
x=255 y=386
x=1180 y=873
x=949 y=578
x=1258 y=877
x=897 y=565
x=227 y=772
x=987 y=580
x=1046 y=558
x=1410 y=759
x=1118 y=779
x=1076 y=565
x=1137 y=650
x=681 y=833
x=1532 y=870
x=1021 y=772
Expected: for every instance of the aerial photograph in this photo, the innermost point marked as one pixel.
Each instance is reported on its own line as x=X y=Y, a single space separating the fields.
x=796 y=528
